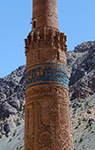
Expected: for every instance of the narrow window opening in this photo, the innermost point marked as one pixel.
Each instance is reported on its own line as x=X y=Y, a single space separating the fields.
x=34 y=35
x=34 y=24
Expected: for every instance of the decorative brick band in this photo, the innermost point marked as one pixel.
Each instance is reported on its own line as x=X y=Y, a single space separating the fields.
x=46 y=73
x=60 y=65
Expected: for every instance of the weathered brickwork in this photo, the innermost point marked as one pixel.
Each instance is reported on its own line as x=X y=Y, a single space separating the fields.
x=45 y=44
x=47 y=111
x=45 y=13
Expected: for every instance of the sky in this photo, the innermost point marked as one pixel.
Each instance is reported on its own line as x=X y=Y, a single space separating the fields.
x=76 y=20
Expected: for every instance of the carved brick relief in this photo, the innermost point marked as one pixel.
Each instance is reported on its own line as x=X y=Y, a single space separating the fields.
x=50 y=118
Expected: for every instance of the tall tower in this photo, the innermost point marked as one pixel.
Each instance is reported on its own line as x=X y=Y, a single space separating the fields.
x=47 y=112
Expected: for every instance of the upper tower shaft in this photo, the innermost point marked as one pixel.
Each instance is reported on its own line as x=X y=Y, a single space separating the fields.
x=45 y=14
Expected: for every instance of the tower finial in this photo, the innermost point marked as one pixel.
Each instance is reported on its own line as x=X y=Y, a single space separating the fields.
x=45 y=14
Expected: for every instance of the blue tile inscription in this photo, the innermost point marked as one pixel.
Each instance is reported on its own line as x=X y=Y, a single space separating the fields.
x=46 y=74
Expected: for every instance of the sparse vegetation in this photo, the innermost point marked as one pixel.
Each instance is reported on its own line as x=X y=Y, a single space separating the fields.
x=18 y=115
x=72 y=98
x=1 y=136
x=86 y=80
x=85 y=119
x=75 y=141
x=92 y=92
x=17 y=119
x=10 y=140
x=87 y=126
x=80 y=105
x=81 y=108
x=81 y=139
x=79 y=122
x=90 y=128
x=15 y=132
x=76 y=127
x=83 y=146
x=74 y=111
x=87 y=102
x=79 y=100
x=18 y=123
x=20 y=148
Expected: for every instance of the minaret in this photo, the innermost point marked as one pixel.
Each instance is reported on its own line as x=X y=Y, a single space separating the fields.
x=47 y=110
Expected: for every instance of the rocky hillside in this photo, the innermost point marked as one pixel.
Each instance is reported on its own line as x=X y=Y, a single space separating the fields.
x=81 y=74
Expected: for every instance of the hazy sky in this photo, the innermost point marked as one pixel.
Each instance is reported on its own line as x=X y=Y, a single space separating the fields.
x=76 y=20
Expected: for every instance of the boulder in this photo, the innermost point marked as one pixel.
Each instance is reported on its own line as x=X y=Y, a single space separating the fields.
x=6 y=127
x=91 y=121
x=2 y=96
x=6 y=109
x=15 y=103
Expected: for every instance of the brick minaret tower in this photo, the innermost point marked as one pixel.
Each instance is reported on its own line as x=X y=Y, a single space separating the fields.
x=47 y=112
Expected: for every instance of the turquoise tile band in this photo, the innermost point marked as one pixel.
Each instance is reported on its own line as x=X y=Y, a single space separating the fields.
x=46 y=73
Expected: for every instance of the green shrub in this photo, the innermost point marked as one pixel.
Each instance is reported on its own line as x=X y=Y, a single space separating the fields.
x=87 y=102
x=79 y=123
x=10 y=140
x=17 y=119
x=87 y=126
x=15 y=132
x=72 y=98
x=81 y=139
x=75 y=141
x=1 y=136
x=18 y=123
x=18 y=148
x=86 y=80
x=81 y=108
x=92 y=92
x=90 y=129
x=80 y=105
x=76 y=127
x=79 y=100
x=18 y=115
x=74 y=111
x=89 y=105
x=85 y=119
x=21 y=146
